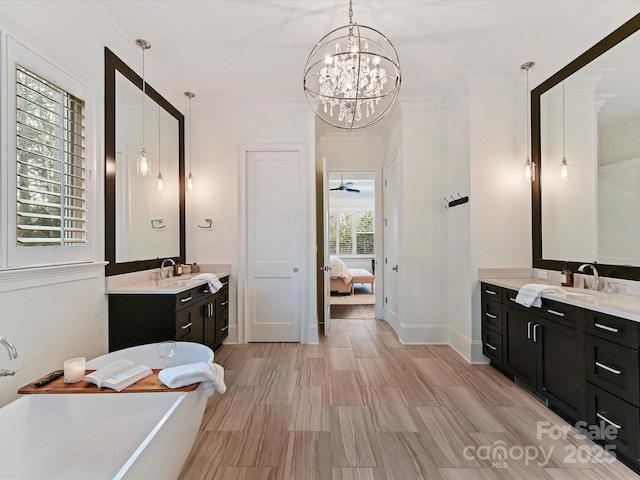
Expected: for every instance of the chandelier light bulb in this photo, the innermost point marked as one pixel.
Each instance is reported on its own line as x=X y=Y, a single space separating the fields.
x=352 y=76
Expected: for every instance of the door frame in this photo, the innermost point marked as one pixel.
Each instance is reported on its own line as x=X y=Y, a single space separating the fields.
x=379 y=219
x=395 y=156
x=307 y=182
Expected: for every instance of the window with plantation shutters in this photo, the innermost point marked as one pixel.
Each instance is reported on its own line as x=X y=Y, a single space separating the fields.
x=351 y=232
x=50 y=156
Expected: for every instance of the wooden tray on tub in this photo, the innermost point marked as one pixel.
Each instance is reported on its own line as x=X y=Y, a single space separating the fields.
x=147 y=384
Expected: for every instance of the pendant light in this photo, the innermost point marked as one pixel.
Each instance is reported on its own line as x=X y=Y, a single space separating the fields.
x=159 y=179
x=190 y=177
x=529 y=166
x=565 y=168
x=143 y=160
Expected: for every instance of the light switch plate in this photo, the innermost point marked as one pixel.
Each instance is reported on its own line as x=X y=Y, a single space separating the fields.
x=542 y=274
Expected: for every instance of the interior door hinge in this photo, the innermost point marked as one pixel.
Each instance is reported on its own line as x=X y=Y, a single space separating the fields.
x=385 y=299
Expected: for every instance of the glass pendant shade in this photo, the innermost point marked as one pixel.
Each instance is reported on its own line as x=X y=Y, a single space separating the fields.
x=159 y=181
x=143 y=163
x=565 y=170
x=190 y=180
x=352 y=76
x=529 y=170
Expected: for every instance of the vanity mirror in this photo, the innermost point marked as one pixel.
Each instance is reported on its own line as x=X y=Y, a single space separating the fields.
x=591 y=108
x=143 y=225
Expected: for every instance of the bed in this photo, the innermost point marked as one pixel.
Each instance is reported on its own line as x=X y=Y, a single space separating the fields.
x=343 y=278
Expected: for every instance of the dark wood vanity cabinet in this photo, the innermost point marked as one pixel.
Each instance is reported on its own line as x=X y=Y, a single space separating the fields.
x=543 y=349
x=583 y=364
x=193 y=315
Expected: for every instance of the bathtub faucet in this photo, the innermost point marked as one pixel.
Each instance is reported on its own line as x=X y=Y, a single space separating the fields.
x=11 y=348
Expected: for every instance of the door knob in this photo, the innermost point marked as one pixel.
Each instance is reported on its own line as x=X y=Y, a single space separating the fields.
x=295 y=270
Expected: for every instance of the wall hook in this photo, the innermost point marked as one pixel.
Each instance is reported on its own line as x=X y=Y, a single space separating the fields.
x=208 y=225
x=157 y=223
x=454 y=202
x=446 y=205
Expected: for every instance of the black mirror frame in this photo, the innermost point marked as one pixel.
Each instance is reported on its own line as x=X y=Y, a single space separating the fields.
x=615 y=271
x=113 y=64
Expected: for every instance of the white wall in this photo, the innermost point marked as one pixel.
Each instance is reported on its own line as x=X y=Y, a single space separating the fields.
x=219 y=133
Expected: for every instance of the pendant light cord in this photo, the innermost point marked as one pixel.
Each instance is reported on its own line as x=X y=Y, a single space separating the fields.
x=190 y=142
x=144 y=94
x=564 y=156
x=528 y=117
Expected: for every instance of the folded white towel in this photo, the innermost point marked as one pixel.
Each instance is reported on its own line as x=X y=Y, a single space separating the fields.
x=530 y=294
x=210 y=374
x=212 y=280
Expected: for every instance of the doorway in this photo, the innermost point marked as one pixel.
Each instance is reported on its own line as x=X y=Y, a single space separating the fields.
x=351 y=244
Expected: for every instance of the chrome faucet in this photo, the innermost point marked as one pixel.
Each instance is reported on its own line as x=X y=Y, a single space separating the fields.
x=162 y=266
x=11 y=348
x=596 y=278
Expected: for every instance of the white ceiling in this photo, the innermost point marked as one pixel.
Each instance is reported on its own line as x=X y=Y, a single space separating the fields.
x=244 y=50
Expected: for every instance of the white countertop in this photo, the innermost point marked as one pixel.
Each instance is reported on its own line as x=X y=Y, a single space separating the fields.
x=625 y=306
x=168 y=286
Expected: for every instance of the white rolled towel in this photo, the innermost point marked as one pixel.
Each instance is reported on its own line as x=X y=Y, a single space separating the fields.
x=212 y=279
x=210 y=374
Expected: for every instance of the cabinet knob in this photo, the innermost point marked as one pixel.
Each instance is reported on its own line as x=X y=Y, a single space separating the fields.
x=295 y=270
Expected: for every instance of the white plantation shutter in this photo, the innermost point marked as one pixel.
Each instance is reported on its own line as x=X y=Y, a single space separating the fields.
x=50 y=155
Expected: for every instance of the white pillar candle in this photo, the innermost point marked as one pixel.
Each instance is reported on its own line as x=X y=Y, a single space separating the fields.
x=74 y=369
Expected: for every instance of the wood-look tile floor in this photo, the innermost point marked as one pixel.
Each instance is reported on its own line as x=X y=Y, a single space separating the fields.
x=361 y=406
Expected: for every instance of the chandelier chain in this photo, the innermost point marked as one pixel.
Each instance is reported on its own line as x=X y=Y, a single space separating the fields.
x=350 y=12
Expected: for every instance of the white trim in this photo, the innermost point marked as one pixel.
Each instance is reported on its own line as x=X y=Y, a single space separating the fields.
x=21 y=278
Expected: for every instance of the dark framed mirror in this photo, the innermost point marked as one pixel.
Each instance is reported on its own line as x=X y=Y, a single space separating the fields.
x=590 y=110
x=143 y=225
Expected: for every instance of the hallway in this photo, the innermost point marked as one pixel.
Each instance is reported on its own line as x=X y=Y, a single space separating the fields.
x=362 y=406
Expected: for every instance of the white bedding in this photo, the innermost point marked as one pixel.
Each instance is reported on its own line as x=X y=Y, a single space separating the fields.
x=339 y=269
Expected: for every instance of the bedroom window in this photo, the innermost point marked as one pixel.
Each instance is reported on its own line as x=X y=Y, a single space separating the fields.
x=351 y=233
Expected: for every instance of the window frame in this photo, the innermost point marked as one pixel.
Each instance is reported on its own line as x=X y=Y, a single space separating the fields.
x=14 y=256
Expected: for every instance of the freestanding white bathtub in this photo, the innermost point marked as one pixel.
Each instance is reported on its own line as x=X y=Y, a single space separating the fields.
x=104 y=436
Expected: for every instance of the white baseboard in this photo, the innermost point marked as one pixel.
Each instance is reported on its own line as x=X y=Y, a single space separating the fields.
x=470 y=349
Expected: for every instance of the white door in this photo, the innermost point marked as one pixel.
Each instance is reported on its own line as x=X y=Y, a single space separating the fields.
x=273 y=300
x=391 y=243
x=327 y=259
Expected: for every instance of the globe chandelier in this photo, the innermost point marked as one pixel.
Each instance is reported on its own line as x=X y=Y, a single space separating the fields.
x=352 y=76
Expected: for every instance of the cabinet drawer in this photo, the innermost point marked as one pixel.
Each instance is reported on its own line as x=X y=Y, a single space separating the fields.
x=492 y=346
x=604 y=409
x=613 y=368
x=492 y=315
x=562 y=313
x=187 y=298
x=615 y=329
x=189 y=324
x=223 y=301
x=509 y=298
x=223 y=327
x=490 y=292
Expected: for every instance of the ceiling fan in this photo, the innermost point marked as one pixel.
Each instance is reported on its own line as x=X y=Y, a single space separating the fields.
x=346 y=187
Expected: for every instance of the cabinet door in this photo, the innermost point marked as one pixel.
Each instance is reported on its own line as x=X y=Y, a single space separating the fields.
x=209 y=322
x=519 y=354
x=562 y=368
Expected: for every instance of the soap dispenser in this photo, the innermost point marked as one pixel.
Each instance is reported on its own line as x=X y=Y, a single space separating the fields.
x=566 y=276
